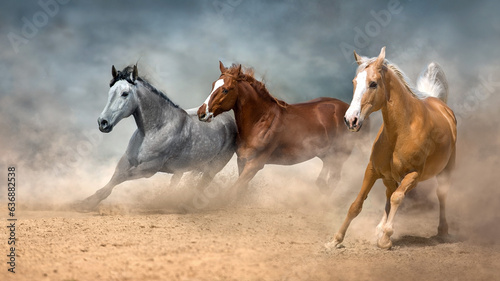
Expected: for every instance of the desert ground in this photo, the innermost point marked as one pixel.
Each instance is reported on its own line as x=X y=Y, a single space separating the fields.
x=277 y=231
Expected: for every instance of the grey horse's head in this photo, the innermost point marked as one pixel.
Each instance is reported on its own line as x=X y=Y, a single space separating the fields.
x=122 y=98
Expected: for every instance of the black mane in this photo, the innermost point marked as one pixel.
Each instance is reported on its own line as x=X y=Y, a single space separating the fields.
x=126 y=74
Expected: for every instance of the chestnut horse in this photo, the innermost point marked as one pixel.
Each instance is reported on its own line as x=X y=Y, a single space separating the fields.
x=416 y=141
x=270 y=131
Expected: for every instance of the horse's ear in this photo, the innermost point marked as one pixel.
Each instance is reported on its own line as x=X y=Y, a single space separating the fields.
x=239 y=70
x=358 y=58
x=135 y=73
x=380 y=59
x=113 y=71
x=222 y=67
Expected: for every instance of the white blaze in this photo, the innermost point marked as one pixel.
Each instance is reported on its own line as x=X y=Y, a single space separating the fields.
x=217 y=85
x=115 y=92
x=355 y=107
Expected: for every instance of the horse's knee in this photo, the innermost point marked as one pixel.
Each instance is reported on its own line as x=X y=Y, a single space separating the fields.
x=397 y=198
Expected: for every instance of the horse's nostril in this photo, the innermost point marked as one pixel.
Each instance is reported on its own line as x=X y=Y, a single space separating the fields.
x=104 y=123
x=202 y=116
x=355 y=122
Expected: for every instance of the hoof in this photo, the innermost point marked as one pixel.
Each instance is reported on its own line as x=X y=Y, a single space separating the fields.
x=81 y=207
x=333 y=245
x=384 y=243
x=85 y=206
x=445 y=238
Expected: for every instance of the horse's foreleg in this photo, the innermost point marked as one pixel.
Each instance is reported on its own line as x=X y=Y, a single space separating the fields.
x=249 y=171
x=407 y=184
x=356 y=206
x=119 y=176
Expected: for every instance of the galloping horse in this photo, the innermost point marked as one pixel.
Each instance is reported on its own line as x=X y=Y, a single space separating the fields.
x=416 y=141
x=167 y=138
x=270 y=131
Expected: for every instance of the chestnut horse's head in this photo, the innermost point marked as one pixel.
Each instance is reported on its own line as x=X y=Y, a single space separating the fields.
x=369 y=90
x=224 y=94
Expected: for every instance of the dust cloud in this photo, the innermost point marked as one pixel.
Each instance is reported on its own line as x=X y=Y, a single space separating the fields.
x=53 y=87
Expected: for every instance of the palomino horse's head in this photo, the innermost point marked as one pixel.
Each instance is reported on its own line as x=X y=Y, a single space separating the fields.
x=122 y=98
x=223 y=96
x=369 y=90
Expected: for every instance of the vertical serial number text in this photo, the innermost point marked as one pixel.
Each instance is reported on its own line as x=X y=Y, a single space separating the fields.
x=11 y=220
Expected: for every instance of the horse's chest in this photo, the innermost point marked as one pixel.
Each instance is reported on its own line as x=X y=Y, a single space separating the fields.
x=394 y=162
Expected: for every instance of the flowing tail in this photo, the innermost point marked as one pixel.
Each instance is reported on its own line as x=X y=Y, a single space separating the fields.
x=432 y=82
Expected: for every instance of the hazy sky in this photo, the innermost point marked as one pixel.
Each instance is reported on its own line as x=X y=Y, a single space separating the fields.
x=55 y=59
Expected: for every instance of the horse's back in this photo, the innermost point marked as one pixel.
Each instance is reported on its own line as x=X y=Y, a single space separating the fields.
x=324 y=111
x=312 y=128
x=321 y=101
x=442 y=116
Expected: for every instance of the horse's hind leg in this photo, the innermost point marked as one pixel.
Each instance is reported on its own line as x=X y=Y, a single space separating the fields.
x=329 y=176
x=442 y=192
x=444 y=182
x=174 y=182
x=175 y=179
x=336 y=167
x=322 y=177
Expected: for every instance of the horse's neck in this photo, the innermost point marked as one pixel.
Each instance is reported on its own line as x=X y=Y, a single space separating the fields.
x=154 y=111
x=252 y=104
x=398 y=110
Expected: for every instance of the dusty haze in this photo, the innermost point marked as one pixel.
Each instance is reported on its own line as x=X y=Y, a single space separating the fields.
x=54 y=85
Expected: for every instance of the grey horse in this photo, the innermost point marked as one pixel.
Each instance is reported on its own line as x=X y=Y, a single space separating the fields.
x=168 y=139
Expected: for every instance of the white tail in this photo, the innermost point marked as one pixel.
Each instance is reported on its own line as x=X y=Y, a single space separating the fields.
x=432 y=82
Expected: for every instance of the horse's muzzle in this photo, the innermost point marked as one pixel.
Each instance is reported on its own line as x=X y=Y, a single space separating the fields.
x=104 y=125
x=205 y=117
x=353 y=124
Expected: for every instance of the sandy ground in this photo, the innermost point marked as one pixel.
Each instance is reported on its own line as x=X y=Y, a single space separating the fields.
x=238 y=244
x=276 y=232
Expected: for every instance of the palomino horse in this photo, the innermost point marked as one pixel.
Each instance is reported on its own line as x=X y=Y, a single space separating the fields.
x=270 y=131
x=167 y=138
x=416 y=141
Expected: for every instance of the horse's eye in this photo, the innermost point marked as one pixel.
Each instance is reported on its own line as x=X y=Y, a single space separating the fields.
x=225 y=91
x=373 y=84
x=124 y=94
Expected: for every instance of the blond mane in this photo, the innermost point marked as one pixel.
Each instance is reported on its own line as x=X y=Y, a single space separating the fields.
x=399 y=73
